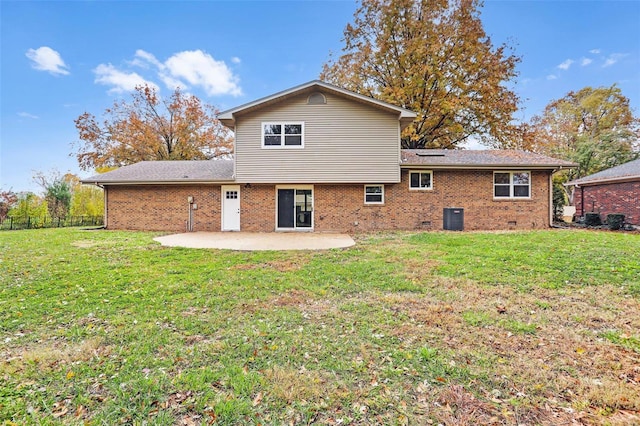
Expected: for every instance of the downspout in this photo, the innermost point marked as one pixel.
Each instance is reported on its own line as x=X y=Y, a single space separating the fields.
x=104 y=196
x=551 y=197
x=582 y=201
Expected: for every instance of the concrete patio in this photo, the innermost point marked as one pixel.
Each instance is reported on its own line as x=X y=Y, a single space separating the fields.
x=249 y=241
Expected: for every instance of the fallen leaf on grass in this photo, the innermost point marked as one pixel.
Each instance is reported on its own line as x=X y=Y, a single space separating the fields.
x=258 y=399
x=212 y=415
x=80 y=411
x=59 y=410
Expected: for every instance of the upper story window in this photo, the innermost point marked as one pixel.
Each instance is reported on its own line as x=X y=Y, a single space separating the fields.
x=421 y=180
x=282 y=135
x=512 y=185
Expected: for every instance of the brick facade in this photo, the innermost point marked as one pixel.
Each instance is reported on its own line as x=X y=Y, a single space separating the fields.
x=338 y=208
x=162 y=207
x=342 y=208
x=622 y=197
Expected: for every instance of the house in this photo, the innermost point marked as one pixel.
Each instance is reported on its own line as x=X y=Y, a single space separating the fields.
x=614 y=190
x=318 y=157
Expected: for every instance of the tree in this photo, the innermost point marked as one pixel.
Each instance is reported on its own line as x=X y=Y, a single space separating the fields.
x=432 y=57
x=7 y=200
x=151 y=128
x=29 y=205
x=593 y=127
x=86 y=200
x=57 y=192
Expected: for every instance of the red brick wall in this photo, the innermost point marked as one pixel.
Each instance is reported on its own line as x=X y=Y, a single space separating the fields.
x=610 y=198
x=258 y=208
x=163 y=208
x=338 y=208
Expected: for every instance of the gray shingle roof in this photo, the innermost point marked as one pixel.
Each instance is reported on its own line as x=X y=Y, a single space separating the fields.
x=206 y=171
x=472 y=159
x=626 y=171
x=168 y=172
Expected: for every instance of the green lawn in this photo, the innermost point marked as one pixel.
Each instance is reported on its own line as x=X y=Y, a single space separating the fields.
x=103 y=327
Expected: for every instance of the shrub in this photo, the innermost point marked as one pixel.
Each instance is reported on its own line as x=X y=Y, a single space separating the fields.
x=592 y=219
x=615 y=221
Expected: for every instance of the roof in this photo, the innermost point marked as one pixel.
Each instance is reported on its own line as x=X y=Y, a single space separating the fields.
x=221 y=171
x=624 y=172
x=479 y=159
x=227 y=117
x=167 y=172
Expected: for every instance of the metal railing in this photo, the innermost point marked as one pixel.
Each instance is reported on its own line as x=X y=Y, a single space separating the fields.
x=34 y=222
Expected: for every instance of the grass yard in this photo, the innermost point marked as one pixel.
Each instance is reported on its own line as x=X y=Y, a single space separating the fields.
x=104 y=327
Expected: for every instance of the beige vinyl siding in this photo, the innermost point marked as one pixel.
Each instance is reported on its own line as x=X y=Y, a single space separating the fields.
x=344 y=141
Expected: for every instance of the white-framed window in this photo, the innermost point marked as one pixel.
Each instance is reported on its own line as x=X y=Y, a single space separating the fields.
x=374 y=194
x=420 y=180
x=283 y=135
x=512 y=184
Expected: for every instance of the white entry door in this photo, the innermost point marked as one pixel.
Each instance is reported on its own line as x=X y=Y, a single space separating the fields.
x=231 y=207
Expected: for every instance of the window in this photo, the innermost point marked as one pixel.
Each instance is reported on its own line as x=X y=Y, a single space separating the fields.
x=279 y=135
x=512 y=185
x=231 y=195
x=421 y=180
x=316 y=98
x=374 y=194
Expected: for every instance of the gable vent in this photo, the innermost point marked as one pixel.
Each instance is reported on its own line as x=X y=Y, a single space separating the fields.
x=316 y=98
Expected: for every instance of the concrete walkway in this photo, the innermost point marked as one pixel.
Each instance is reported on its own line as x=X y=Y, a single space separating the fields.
x=248 y=241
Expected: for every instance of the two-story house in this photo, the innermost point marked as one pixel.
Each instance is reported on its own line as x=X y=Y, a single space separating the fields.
x=317 y=157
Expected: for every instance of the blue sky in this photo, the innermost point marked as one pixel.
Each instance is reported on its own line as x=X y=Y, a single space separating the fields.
x=60 y=59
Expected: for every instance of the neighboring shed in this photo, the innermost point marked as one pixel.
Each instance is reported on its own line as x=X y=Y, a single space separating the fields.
x=615 y=190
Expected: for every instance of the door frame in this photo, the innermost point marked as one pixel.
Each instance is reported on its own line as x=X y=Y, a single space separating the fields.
x=223 y=197
x=313 y=203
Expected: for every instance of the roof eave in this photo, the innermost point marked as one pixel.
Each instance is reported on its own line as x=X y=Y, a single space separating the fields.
x=485 y=166
x=228 y=117
x=604 y=180
x=157 y=182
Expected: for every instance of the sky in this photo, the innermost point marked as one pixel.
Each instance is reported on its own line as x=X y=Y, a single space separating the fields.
x=61 y=59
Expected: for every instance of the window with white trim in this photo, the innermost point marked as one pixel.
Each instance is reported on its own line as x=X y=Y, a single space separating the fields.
x=420 y=179
x=283 y=135
x=512 y=184
x=374 y=194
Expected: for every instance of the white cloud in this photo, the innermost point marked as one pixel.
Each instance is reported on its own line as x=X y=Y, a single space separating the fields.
x=119 y=80
x=201 y=69
x=551 y=77
x=143 y=57
x=566 y=64
x=473 y=143
x=172 y=83
x=612 y=59
x=182 y=70
x=585 y=61
x=594 y=51
x=27 y=115
x=46 y=59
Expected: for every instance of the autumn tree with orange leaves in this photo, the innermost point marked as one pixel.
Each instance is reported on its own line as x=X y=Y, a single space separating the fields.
x=151 y=128
x=432 y=57
x=593 y=127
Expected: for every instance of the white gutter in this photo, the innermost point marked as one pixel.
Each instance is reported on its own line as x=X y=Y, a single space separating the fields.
x=157 y=182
